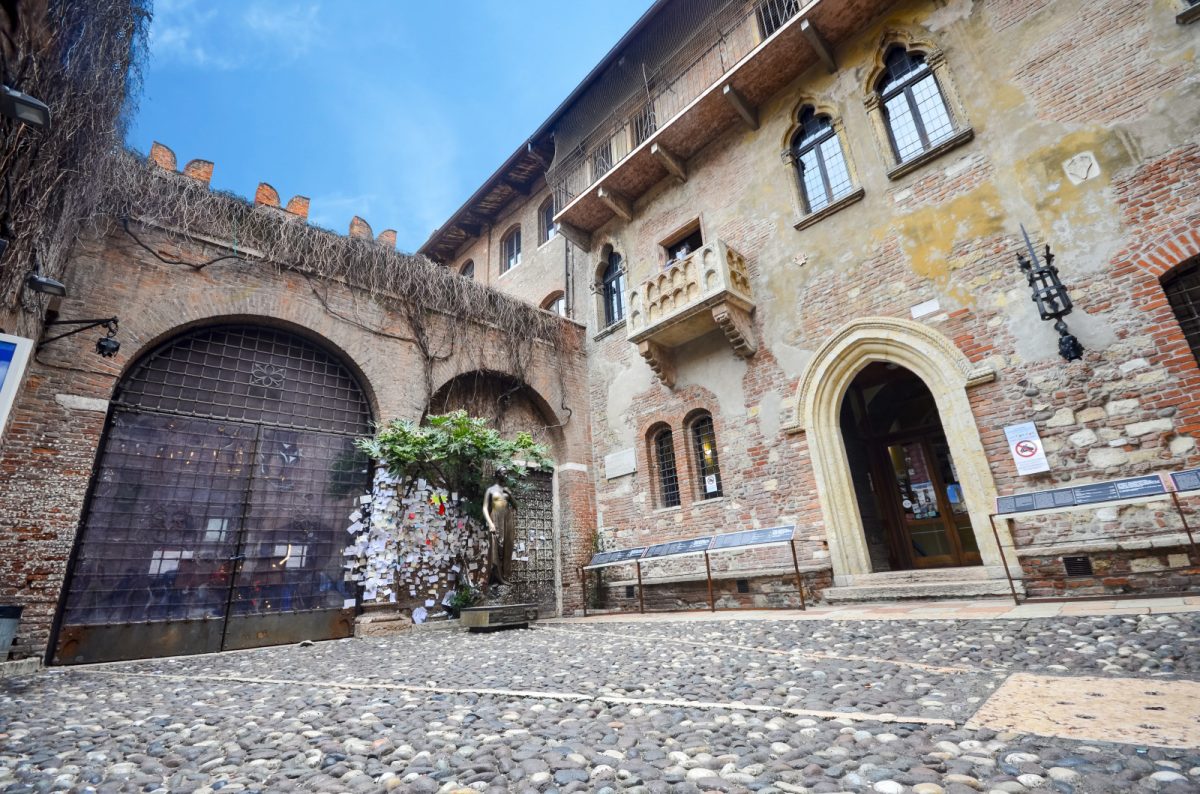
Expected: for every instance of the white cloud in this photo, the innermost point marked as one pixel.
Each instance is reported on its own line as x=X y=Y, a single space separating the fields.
x=292 y=29
x=334 y=211
x=191 y=34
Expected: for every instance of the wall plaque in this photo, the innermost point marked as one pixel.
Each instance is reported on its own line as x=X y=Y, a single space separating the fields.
x=1186 y=480
x=614 y=557
x=619 y=464
x=677 y=547
x=753 y=537
x=1025 y=446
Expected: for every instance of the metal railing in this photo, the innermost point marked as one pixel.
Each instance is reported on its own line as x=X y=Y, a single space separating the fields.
x=732 y=33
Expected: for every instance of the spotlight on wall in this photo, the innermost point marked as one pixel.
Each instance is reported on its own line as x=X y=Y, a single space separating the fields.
x=106 y=345
x=23 y=107
x=36 y=282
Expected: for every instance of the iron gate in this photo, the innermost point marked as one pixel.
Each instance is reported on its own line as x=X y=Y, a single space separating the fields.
x=534 y=560
x=217 y=512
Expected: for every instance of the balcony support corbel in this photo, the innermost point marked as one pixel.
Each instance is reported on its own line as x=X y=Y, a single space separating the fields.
x=660 y=360
x=578 y=236
x=738 y=102
x=819 y=45
x=616 y=202
x=735 y=322
x=669 y=161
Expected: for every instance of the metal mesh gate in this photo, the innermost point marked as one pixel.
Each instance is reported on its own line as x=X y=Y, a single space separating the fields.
x=217 y=507
x=534 y=561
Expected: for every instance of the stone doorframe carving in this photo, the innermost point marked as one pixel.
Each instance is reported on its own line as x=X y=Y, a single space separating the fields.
x=816 y=410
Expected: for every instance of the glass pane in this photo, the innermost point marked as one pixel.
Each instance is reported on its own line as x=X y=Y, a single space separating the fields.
x=835 y=167
x=667 y=477
x=914 y=481
x=904 y=130
x=949 y=475
x=930 y=541
x=304 y=486
x=966 y=538
x=814 y=188
x=162 y=522
x=932 y=109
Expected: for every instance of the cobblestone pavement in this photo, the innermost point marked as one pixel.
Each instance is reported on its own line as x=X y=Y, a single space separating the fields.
x=638 y=707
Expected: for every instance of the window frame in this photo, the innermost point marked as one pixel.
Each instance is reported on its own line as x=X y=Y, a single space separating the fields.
x=667 y=491
x=556 y=297
x=1186 y=271
x=667 y=247
x=507 y=257
x=903 y=87
x=467 y=269
x=547 y=228
x=612 y=289
x=703 y=470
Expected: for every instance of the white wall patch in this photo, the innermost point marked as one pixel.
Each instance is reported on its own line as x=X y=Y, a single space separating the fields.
x=619 y=464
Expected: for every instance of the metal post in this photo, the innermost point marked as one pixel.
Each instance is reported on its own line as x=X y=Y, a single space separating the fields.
x=1186 y=527
x=799 y=579
x=641 y=595
x=583 y=584
x=1003 y=559
x=712 y=605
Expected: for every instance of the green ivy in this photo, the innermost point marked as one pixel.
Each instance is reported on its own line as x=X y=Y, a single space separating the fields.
x=457 y=452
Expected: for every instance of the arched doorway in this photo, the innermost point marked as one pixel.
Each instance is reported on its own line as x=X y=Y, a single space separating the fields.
x=909 y=494
x=218 y=508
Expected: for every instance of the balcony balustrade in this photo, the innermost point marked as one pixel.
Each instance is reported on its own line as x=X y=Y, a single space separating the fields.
x=703 y=292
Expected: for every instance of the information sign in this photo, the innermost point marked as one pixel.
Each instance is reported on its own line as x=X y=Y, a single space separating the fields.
x=1083 y=495
x=753 y=537
x=614 y=557
x=1186 y=480
x=676 y=547
x=1026 y=447
x=1038 y=500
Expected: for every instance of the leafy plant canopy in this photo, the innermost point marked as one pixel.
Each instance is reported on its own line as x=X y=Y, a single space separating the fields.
x=457 y=452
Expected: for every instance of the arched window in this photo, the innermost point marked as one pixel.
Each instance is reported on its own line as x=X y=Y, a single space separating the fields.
x=704 y=442
x=510 y=250
x=1183 y=293
x=556 y=302
x=612 y=287
x=468 y=269
x=914 y=108
x=664 y=461
x=546 y=227
x=820 y=162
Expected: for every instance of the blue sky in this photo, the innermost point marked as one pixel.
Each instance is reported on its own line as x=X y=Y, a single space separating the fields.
x=395 y=111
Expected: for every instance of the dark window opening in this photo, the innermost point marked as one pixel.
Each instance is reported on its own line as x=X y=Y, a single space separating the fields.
x=546 y=227
x=1183 y=293
x=612 y=285
x=820 y=162
x=705 y=440
x=468 y=270
x=668 y=479
x=916 y=112
x=743 y=585
x=685 y=246
x=510 y=251
x=629 y=591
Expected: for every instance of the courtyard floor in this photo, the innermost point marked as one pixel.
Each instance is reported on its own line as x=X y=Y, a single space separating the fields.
x=1106 y=702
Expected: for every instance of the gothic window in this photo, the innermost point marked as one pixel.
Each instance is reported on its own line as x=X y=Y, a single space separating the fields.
x=612 y=287
x=546 y=227
x=668 y=477
x=510 y=250
x=914 y=107
x=820 y=162
x=704 y=442
x=1183 y=293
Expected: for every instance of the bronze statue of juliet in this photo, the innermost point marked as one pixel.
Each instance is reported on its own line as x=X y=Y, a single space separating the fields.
x=500 y=513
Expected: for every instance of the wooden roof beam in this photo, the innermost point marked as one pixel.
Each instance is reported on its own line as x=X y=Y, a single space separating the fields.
x=676 y=167
x=748 y=114
x=819 y=45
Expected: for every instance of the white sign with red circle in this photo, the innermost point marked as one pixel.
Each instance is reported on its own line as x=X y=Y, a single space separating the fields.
x=1026 y=448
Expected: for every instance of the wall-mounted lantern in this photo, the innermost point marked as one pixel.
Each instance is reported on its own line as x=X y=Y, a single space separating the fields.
x=107 y=345
x=1051 y=297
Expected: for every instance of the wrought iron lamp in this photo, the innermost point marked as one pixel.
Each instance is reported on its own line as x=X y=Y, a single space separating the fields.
x=106 y=346
x=1051 y=297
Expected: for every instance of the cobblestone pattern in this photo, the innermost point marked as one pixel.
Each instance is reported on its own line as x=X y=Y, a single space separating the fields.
x=601 y=708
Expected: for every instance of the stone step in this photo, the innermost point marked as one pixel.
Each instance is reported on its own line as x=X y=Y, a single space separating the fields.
x=918 y=576
x=888 y=591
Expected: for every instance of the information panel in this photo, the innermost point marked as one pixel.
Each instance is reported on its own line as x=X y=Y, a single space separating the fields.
x=1083 y=495
x=753 y=537
x=615 y=557
x=692 y=546
x=1186 y=480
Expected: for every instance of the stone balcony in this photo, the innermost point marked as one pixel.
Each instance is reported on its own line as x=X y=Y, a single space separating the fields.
x=707 y=291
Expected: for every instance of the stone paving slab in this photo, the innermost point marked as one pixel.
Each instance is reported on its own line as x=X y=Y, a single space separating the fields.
x=1129 y=710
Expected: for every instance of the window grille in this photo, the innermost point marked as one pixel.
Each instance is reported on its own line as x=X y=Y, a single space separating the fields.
x=705 y=440
x=668 y=479
x=613 y=287
x=512 y=250
x=820 y=162
x=917 y=116
x=1183 y=293
x=602 y=159
x=773 y=13
x=1078 y=566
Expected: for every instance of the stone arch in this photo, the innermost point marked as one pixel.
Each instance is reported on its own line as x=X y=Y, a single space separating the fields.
x=504 y=399
x=821 y=107
x=912 y=38
x=816 y=409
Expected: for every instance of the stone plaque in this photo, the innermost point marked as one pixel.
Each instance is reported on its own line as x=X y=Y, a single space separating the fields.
x=753 y=537
x=619 y=464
